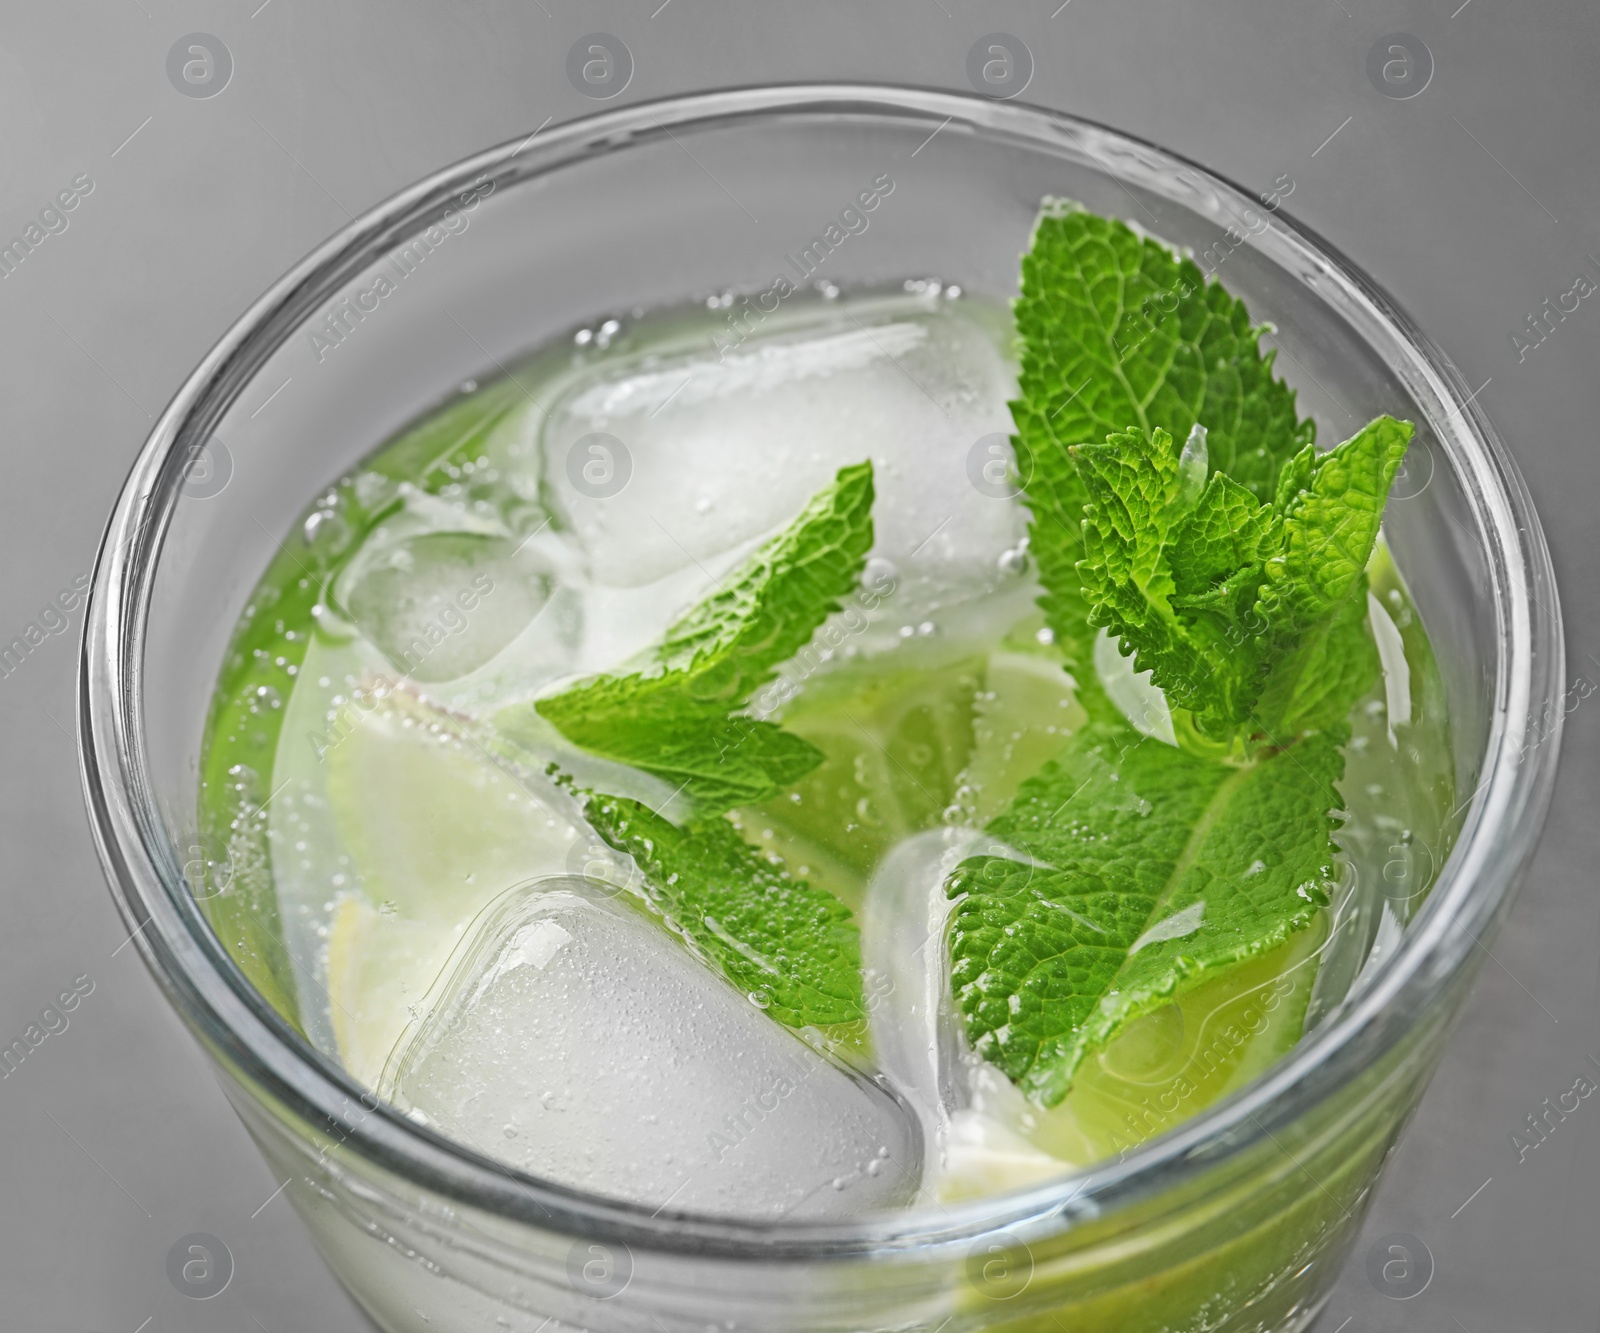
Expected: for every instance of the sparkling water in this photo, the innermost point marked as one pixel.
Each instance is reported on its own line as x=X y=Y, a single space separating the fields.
x=464 y=943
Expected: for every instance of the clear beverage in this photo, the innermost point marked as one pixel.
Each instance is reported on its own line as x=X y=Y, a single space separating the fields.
x=409 y=872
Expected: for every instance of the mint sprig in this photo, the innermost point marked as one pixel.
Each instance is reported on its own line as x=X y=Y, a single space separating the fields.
x=794 y=948
x=1118 y=333
x=1130 y=870
x=1244 y=613
x=678 y=717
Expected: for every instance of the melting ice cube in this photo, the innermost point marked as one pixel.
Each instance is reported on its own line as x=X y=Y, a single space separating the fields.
x=723 y=450
x=578 y=1041
x=440 y=604
x=973 y=1119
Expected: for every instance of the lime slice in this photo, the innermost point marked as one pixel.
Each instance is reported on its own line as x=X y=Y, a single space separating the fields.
x=434 y=827
x=901 y=746
x=1171 y=1063
x=1022 y=717
x=434 y=830
x=895 y=741
x=1161 y=1070
x=380 y=966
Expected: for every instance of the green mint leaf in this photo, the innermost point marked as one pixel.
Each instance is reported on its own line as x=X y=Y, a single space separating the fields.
x=676 y=717
x=720 y=760
x=1136 y=510
x=771 y=607
x=1118 y=334
x=1219 y=545
x=1314 y=685
x=1332 y=505
x=1318 y=656
x=792 y=947
x=1172 y=576
x=1129 y=870
x=1144 y=870
x=1248 y=615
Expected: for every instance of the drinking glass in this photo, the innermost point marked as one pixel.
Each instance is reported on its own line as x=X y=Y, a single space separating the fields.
x=1237 y=1219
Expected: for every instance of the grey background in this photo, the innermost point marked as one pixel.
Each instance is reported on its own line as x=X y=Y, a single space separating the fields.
x=1472 y=202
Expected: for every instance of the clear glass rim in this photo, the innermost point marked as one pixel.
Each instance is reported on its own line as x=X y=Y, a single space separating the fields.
x=144 y=870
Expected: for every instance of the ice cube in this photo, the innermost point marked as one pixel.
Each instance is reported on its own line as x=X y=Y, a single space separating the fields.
x=972 y=1119
x=441 y=604
x=904 y=955
x=576 y=1039
x=723 y=449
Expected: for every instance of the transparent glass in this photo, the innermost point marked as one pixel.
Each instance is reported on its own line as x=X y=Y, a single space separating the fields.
x=1237 y=1219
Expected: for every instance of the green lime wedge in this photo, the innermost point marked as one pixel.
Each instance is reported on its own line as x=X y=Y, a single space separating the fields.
x=1162 y=1069
x=434 y=827
x=1022 y=717
x=380 y=967
x=895 y=741
x=434 y=830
